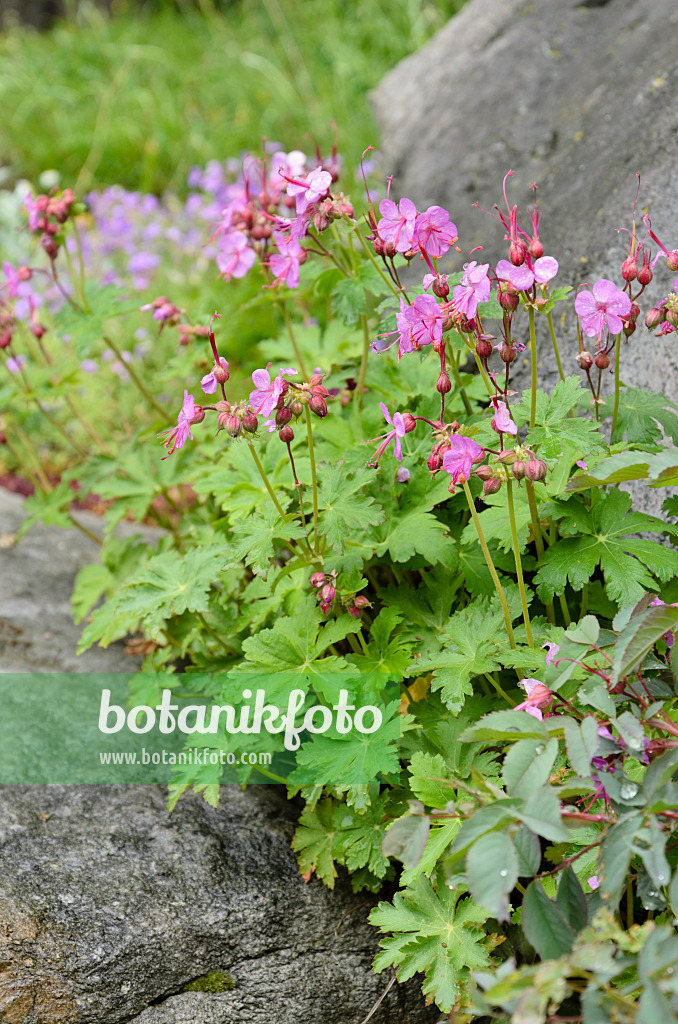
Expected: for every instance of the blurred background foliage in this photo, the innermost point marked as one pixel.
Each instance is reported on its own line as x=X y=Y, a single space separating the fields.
x=138 y=95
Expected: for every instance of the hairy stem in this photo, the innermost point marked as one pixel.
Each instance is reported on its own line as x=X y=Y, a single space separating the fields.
x=519 y=564
x=554 y=342
x=267 y=483
x=538 y=538
x=363 y=361
x=454 y=366
x=490 y=565
x=533 y=352
x=314 y=480
x=137 y=380
x=617 y=360
x=293 y=339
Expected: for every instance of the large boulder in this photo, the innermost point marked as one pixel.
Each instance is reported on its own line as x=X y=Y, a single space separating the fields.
x=575 y=96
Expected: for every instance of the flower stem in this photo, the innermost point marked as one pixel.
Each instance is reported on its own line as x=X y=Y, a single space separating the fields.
x=519 y=564
x=267 y=483
x=457 y=380
x=538 y=539
x=137 y=380
x=554 y=341
x=213 y=633
x=617 y=359
x=293 y=339
x=314 y=480
x=533 y=352
x=366 y=247
x=363 y=362
x=499 y=690
x=490 y=565
x=482 y=371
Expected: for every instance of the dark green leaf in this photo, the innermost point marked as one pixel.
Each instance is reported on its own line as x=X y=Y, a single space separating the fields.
x=545 y=925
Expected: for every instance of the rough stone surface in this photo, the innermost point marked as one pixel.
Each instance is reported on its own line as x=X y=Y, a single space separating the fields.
x=109 y=906
x=577 y=97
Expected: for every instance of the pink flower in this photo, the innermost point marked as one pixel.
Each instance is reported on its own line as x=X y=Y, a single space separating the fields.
x=395 y=435
x=462 y=453
x=502 y=421
x=538 y=697
x=474 y=288
x=601 y=308
x=285 y=263
x=593 y=882
x=522 y=278
x=310 y=189
x=669 y=637
x=17 y=280
x=397 y=223
x=419 y=324
x=177 y=436
x=552 y=651
x=582 y=464
x=235 y=256
x=16 y=363
x=434 y=231
x=34 y=212
x=265 y=398
x=209 y=381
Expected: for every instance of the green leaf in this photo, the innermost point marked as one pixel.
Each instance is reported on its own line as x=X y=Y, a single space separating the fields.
x=348 y=301
x=528 y=765
x=651 y=845
x=641 y=414
x=505 y=725
x=629 y=465
x=360 y=836
x=541 y=813
x=528 y=849
x=406 y=839
x=427 y=779
x=615 y=857
x=90 y=583
x=571 y=900
x=344 y=511
x=51 y=508
x=554 y=430
x=639 y=636
x=388 y=653
x=545 y=925
x=557 y=295
x=439 y=934
x=415 y=532
x=492 y=872
x=581 y=742
x=254 y=539
x=314 y=841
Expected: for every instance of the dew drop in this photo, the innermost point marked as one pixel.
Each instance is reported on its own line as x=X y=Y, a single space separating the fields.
x=503 y=873
x=628 y=790
x=634 y=743
x=653 y=892
x=660 y=876
x=540 y=748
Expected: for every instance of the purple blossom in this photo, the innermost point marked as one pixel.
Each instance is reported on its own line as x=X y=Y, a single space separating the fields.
x=310 y=189
x=394 y=435
x=285 y=263
x=459 y=458
x=419 y=324
x=17 y=280
x=601 y=308
x=235 y=256
x=669 y=637
x=403 y=475
x=502 y=422
x=209 y=381
x=397 y=223
x=176 y=436
x=522 y=278
x=89 y=366
x=474 y=288
x=265 y=398
x=15 y=363
x=434 y=232
x=593 y=882
x=552 y=651
x=538 y=697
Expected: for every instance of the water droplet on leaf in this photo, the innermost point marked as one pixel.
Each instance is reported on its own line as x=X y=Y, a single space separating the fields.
x=628 y=790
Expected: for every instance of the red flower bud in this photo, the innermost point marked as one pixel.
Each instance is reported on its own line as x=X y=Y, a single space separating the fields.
x=535 y=249
x=672 y=260
x=286 y=434
x=517 y=253
x=410 y=422
x=283 y=416
x=630 y=268
x=220 y=373
x=602 y=360
x=518 y=469
x=653 y=318
x=507 y=353
x=536 y=470
x=328 y=593
x=233 y=424
x=318 y=579
x=361 y=602
x=492 y=486
x=484 y=472
x=354 y=612
x=508 y=299
x=484 y=348
x=440 y=287
x=250 y=422
x=434 y=462
x=198 y=415
x=645 y=274
x=296 y=408
x=5 y=339
x=316 y=378
x=318 y=405
x=629 y=328
x=50 y=246
x=585 y=360
x=444 y=385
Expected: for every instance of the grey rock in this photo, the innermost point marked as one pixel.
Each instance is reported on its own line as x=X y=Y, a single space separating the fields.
x=109 y=906
x=577 y=97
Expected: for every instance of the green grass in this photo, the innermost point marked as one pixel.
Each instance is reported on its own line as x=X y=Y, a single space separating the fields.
x=138 y=98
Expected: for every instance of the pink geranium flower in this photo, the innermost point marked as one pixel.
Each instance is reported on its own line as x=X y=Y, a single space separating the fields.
x=501 y=421
x=474 y=288
x=16 y=363
x=522 y=278
x=235 y=256
x=394 y=435
x=459 y=459
x=434 y=232
x=310 y=189
x=602 y=308
x=285 y=263
x=265 y=398
x=397 y=223
x=209 y=381
x=552 y=651
x=17 y=280
x=538 y=697
x=419 y=324
x=176 y=437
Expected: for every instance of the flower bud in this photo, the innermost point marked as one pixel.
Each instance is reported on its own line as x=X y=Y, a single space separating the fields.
x=634 y=312
x=250 y=422
x=320 y=389
x=536 y=470
x=283 y=416
x=318 y=579
x=444 y=385
x=434 y=461
x=318 y=405
x=484 y=348
x=402 y=475
x=410 y=422
x=672 y=260
x=630 y=268
x=389 y=249
x=220 y=372
x=602 y=360
x=535 y=249
x=491 y=486
x=328 y=593
x=5 y=339
x=645 y=274
x=484 y=472
x=507 y=353
x=223 y=406
x=672 y=316
x=361 y=602
x=286 y=434
x=507 y=458
x=508 y=299
x=448 y=324
x=233 y=425
x=517 y=253
x=629 y=328
x=653 y=318
x=354 y=611
x=50 y=246
x=440 y=287
x=296 y=407
x=585 y=360
x=316 y=378
x=518 y=469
